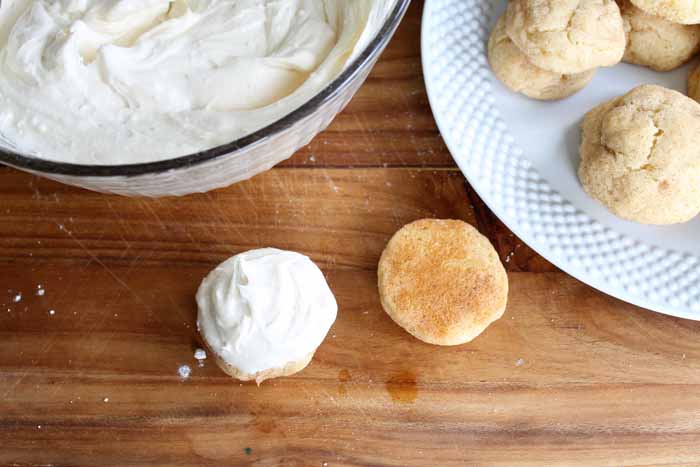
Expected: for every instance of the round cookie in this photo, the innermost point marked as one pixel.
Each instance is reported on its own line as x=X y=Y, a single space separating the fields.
x=263 y=313
x=442 y=281
x=567 y=36
x=655 y=42
x=516 y=72
x=694 y=84
x=640 y=155
x=678 y=11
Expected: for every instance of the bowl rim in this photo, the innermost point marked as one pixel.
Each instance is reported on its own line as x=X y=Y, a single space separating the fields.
x=342 y=81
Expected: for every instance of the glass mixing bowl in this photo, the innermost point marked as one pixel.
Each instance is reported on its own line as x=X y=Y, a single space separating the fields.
x=229 y=163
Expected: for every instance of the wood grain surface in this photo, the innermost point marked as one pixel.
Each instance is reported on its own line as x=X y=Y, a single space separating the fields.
x=89 y=370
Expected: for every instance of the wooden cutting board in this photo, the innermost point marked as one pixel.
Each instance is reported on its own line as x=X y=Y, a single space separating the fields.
x=568 y=377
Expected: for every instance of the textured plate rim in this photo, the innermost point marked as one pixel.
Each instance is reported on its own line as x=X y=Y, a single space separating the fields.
x=527 y=237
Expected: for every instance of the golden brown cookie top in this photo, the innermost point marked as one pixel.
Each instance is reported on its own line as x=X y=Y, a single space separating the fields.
x=442 y=281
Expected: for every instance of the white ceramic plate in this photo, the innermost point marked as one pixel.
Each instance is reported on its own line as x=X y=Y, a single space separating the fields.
x=521 y=156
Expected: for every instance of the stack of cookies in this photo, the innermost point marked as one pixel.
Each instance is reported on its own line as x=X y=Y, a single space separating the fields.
x=640 y=153
x=550 y=49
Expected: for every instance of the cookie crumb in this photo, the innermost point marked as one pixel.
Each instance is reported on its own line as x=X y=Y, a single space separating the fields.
x=200 y=354
x=184 y=371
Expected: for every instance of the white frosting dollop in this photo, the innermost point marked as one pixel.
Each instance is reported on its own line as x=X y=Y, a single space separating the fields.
x=262 y=309
x=124 y=81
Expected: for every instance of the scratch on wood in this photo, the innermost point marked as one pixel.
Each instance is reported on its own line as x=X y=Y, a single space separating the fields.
x=122 y=225
x=146 y=207
x=106 y=268
x=216 y=209
x=331 y=183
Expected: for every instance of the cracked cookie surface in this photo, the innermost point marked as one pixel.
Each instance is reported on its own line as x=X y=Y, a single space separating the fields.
x=516 y=72
x=640 y=155
x=656 y=42
x=678 y=11
x=567 y=36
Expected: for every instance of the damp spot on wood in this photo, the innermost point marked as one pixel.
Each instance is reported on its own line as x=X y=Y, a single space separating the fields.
x=402 y=387
x=344 y=376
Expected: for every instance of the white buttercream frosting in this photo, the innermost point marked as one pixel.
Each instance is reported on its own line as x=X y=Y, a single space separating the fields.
x=125 y=81
x=262 y=309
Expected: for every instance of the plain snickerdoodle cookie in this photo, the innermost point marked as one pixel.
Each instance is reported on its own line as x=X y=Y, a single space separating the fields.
x=442 y=281
x=678 y=11
x=640 y=155
x=516 y=72
x=567 y=36
x=655 y=42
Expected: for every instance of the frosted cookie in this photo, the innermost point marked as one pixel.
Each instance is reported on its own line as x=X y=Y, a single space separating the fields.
x=516 y=72
x=263 y=313
x=678 y=11
x=442 y=281
x=567 y=36
x=640 y=155
x=655 y=42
